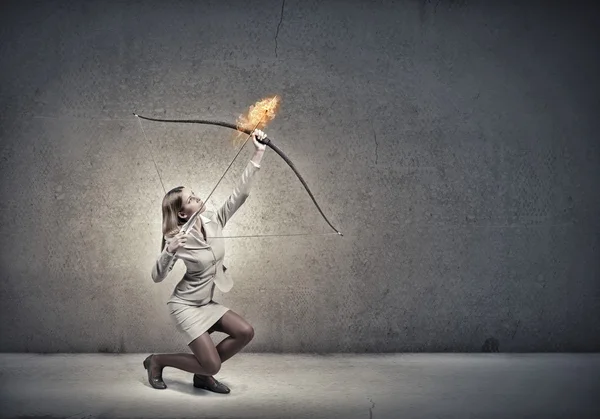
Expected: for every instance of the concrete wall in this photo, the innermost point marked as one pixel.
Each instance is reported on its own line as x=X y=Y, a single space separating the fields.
x=453 y=143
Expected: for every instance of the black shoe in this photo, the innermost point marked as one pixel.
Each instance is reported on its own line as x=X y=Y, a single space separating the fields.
x=156 y=382
x=210 y=383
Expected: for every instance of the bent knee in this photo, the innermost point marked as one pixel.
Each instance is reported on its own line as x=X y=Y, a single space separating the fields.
x=212 y=366
x=247 y=333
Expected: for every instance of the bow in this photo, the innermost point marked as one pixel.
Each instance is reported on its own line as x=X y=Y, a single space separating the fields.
x=265 y=141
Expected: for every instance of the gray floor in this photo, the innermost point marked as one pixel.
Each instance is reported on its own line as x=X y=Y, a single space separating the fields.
x=308 y=386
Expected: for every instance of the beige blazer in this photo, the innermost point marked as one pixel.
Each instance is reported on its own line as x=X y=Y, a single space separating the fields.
x=204 y=259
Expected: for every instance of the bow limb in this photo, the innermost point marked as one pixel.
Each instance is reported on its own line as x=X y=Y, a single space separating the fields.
x=276 y=149
x=266 y=141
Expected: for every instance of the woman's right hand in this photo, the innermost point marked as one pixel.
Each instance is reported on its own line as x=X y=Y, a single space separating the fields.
x=176 y=242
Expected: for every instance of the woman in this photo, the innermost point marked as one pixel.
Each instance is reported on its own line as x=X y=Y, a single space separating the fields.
x=188 y=235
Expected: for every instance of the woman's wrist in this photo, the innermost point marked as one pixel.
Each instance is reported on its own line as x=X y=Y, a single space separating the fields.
x=258 y=155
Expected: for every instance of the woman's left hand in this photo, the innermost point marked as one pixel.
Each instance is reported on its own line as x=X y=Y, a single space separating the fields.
x=258 y=134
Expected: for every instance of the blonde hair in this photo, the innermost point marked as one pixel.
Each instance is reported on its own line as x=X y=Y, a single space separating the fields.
x=171 y=222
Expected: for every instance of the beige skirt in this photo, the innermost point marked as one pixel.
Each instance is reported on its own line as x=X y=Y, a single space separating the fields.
x=193 y=320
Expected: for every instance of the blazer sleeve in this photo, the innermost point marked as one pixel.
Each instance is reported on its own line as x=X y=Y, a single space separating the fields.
x=163 y=265
x=239 y=194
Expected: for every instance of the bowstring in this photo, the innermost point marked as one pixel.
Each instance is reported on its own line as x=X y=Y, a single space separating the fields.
x=272 y=235
x=151 y=156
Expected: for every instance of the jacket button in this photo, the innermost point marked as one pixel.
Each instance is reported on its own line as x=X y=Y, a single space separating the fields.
x=214 y=262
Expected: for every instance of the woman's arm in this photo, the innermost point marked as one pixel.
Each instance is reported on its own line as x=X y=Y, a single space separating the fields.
x=242 y=190
x=258 y=155
x=239 y=194
x=163 y=265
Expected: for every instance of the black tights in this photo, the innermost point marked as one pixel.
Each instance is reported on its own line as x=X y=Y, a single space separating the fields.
x=206 y=358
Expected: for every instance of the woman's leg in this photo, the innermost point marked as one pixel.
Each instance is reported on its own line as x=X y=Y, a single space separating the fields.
x=240 y=334
x=205 y=359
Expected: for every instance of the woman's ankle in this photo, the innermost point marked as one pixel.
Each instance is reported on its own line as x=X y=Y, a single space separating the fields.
x=157 y=360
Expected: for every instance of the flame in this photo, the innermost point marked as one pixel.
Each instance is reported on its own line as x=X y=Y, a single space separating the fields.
x=259 y=115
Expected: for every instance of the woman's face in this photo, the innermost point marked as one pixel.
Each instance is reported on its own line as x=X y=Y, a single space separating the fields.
x=191 y=203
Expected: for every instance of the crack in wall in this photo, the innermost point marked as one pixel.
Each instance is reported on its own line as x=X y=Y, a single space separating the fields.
x=278 y=25
x=376 y=143
x=516 y=328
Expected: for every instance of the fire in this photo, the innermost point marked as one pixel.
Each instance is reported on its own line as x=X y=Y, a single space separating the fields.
x=259 y=115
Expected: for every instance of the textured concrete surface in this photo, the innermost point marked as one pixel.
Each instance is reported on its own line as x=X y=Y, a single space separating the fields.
x=454 y=143
x=303 y=386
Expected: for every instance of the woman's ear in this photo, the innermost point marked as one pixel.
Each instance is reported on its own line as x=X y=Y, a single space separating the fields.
x=182 y=215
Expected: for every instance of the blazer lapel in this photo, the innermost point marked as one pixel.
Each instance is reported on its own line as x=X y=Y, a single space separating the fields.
x=198 y=242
